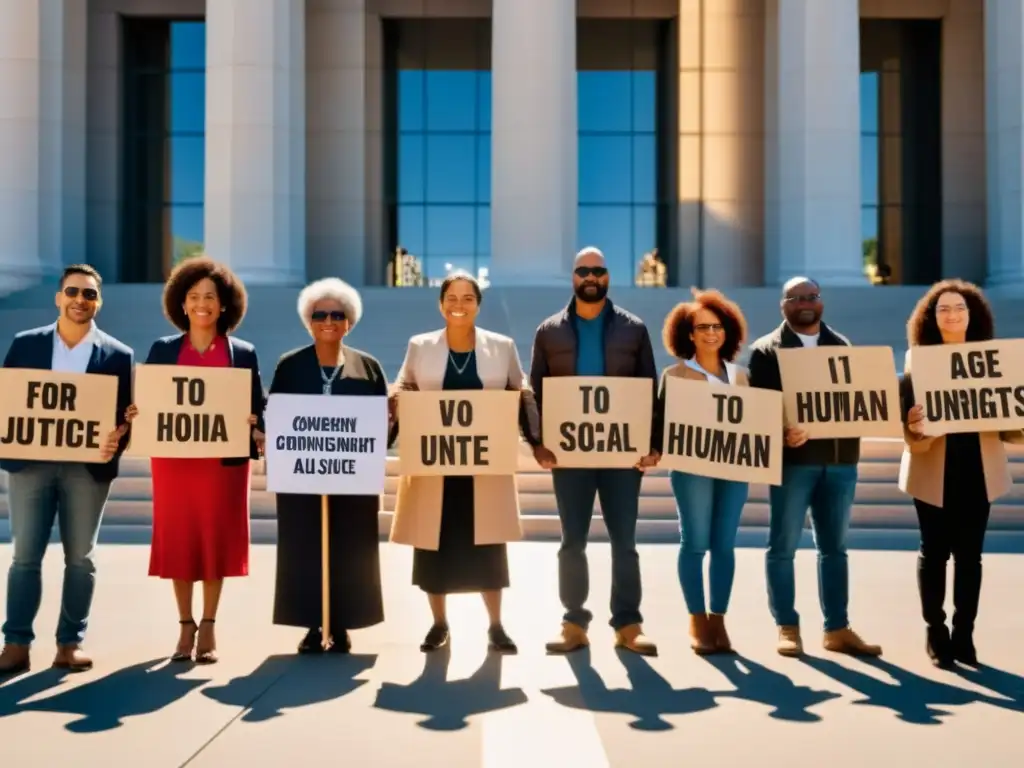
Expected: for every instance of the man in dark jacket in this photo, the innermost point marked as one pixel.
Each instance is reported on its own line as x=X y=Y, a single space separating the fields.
x=816 y=474
x=593 y=337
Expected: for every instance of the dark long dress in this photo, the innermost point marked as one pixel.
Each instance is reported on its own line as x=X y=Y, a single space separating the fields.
x=459 y=565
x=356 y=599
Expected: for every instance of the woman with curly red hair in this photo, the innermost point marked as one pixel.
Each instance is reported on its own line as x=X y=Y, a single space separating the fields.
x=201 y=506
x=953 y=478
x=706 y=335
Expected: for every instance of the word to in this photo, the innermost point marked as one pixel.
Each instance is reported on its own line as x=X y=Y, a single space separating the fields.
x=842 y=406
x=599 y=436
x=975 y=402
x=51 y=431
x=178 y=427
x=454 y=450
x=717 y=445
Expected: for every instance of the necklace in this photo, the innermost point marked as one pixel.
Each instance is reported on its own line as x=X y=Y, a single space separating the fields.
x=329 y=380
x=469 y=356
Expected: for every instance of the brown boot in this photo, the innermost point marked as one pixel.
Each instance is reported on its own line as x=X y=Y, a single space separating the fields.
x=716 y=622
x=71 y=658
x=790 y=643
x=632 y=638
x=702 y=641
x=573 y=638
x=849 y=642
x=14 y=660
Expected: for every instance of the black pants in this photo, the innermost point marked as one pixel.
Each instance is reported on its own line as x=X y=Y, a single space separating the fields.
x=957 y=529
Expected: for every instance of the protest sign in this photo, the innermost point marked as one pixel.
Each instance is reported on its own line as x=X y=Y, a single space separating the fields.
x=597 y=421
x=328 y=445
x=463 y=432
x=189 y=412
x=725 y=432
x=973 y=387
x=841 y=392
x=54 y=416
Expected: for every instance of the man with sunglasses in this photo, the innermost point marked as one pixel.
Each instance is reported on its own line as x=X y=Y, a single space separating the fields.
x=73 y=493
x=593 y=337
x=820 y=475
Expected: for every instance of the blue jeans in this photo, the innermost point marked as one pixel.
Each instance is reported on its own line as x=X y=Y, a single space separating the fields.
x=709 y=516
x=38 y=494
x=828 y=491
x=619 y=491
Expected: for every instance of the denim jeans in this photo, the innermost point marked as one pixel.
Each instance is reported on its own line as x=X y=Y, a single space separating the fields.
x=709 y=516
x=38 y=494
x=828 y=491
x=619 y=491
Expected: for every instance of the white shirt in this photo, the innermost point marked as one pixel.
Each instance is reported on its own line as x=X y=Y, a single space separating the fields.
x=808 y=341
x=73 y=359
x=730 y=372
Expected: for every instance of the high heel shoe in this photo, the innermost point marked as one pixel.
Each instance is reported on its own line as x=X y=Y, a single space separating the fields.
x=186 y=655
x=207 y=655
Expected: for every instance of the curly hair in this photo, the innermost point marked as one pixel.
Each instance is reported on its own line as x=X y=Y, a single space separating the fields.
x=679 y=325
x=922 y=328
x=230 y=292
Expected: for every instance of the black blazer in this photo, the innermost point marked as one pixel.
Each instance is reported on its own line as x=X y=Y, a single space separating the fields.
x=242 y=354
x=34 y=349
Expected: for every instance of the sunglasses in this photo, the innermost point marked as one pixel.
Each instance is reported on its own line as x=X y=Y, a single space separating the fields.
x=584 y=272
x=319 y=317
x=807 y=298
x=89 y=294
x=708 y=327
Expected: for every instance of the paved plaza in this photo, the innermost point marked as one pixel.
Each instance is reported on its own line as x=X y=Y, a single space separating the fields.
x=389 y=705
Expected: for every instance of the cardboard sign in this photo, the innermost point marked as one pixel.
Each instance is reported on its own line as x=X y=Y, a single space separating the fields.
x=974 y=387
x=333 y=445
x=597 y=421
x=459 y=432
x=839 y=392
x=189 y=412
x=54 y=416
x=726 y=432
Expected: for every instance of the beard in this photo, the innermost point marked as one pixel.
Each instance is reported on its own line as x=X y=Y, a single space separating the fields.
x=591 y=293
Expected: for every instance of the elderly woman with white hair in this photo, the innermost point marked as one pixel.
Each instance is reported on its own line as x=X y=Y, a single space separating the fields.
x=329 y=309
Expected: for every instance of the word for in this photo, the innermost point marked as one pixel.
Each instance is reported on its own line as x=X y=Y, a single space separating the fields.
x=49 y=432
x=308 y=444
x=53 y=396
x=599 y=437
x=845 y=406
x=324 y=467
x=718 y=445
x=324 y=424
x=974 y=403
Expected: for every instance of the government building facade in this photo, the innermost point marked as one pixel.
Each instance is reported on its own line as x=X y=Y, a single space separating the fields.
x=743 y=141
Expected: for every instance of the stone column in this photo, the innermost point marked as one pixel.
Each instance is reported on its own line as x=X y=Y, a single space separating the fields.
x=533 y=177
x=42 y=138
x=1004 y=128
x=812 y=67
x=255 y=217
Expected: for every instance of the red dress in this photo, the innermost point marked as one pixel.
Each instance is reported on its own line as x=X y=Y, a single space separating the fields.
x=200 y=506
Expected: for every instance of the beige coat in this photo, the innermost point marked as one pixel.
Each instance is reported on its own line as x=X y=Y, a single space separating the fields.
x=737 y=375
x=417 y=521
x=923 y=465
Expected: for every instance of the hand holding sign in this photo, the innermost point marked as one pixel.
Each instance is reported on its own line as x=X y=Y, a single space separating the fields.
x=795 y=437
x=915 y=420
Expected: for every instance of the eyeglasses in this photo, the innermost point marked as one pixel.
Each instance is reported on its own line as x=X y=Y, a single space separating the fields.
x=708 y=328
x=584 y=272
x=951 y=309
x=319 y=317
x=89 y=294
x=805 y=298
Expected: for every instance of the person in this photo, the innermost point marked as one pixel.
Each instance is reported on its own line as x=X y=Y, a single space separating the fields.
x=73 y=493
x=953 y=478
x=329 y=309
x=706 y=335
x=460 y=526
x=816 y=474
x=201 y=506
x=593 y=337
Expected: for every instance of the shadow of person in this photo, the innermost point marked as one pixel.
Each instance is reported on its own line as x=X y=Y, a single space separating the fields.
x=1006 y=684
x=104 y=704
x=759 y=684
x=648 y=699
x=289 y=682
x=914 y=699
x=449 y=705
x=18 y=689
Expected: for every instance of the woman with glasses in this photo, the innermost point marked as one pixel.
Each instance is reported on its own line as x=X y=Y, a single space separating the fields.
x=706 y=335
x=329 y=309
x=953 y=478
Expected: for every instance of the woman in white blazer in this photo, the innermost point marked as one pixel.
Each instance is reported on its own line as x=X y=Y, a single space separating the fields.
x=459 y=526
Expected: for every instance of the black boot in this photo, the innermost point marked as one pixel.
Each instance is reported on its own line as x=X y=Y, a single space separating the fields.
x=940 y=647
x=966 y=595
x=931 y=586
x=313 y=642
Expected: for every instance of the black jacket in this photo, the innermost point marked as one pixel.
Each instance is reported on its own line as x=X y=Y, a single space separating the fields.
x=627 y=353
x=764 y=373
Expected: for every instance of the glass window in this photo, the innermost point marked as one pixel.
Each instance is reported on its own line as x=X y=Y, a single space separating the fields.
x=610 y=228
x=604 y=101
x=185 y=223
x=187 y=94
x=188 y=45
x=441 y=102
x=186 y=160
x=605 y=169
